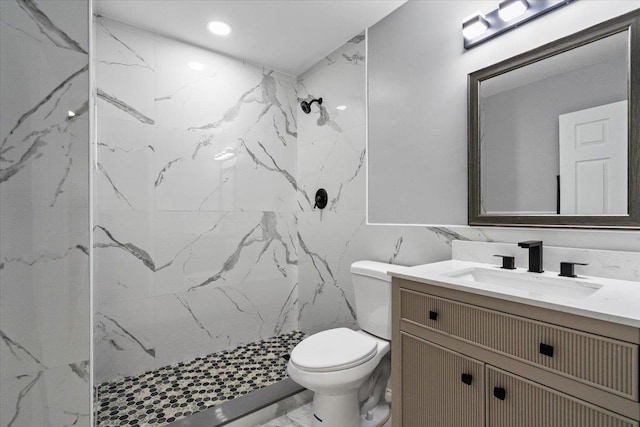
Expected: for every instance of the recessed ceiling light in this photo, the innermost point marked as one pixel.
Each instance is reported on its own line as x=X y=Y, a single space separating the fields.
x=196 y=66
x=341 y=107
x=219 y=28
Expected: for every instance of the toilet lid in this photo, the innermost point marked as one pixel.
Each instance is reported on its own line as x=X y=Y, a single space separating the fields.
x=333 y=350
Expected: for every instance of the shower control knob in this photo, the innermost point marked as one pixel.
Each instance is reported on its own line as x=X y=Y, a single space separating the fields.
x=321 y=199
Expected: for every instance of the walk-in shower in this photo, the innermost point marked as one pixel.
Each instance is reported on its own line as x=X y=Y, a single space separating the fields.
x=159 y=249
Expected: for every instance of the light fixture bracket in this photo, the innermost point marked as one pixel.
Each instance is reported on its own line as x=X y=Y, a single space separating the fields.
x=497 y=26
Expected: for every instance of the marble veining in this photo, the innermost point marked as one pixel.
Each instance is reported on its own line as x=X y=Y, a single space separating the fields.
x=265 y=233
x=195 y=202
x=48 y=28
x=44 y=308
x=38 y=139
x=121 y=332
x=121 y=105
x=275 y=168
x=134 y=250
x=264 y=93
x=17 y=350
x=126 y=46
x=117 y=192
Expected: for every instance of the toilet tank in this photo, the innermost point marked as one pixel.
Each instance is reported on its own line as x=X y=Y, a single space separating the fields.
x=372 y=290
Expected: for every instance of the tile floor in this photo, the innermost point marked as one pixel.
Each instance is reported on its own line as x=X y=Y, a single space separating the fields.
x=298 y=417
x=167 y=394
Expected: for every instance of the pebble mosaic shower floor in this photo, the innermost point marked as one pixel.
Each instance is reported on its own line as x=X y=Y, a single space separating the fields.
x=159 y=397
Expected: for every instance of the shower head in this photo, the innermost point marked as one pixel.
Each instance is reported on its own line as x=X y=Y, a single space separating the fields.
x=306 y=106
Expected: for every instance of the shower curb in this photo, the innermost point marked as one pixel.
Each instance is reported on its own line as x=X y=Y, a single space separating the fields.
x=233 y=410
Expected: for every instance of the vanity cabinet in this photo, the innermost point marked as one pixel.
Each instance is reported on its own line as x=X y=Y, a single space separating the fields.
x=523 y=403
x=435 y=377
x=527 y=366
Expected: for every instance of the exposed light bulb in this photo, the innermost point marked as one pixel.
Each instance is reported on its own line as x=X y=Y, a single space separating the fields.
x=70 y=114
x=219 y=28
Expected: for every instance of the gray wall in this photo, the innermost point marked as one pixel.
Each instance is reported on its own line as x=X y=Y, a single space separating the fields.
x=520 y=134
x=418 y=101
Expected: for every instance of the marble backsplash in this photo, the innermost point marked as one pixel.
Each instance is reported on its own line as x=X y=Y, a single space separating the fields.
x=619 y=265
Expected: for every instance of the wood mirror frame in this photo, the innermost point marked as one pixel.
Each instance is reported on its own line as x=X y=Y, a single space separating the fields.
x=627 y=22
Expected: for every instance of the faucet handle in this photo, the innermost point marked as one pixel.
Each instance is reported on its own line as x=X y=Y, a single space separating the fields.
x=566 y=269
x=508 y=262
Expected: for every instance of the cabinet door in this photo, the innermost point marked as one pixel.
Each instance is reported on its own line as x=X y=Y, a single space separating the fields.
x=514 y=401
x=440 y=388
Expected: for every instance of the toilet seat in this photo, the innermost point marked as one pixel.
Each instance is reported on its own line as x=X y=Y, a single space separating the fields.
x=333 y=350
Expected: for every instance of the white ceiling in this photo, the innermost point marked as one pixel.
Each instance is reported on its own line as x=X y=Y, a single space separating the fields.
x=286 y=35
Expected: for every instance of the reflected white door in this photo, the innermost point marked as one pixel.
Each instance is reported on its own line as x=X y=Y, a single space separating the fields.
x=593 y=161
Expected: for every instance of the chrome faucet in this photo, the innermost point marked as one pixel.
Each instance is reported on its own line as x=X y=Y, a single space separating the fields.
x=535 y=255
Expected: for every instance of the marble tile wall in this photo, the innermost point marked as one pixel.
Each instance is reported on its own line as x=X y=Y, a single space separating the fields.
x=331 y=155
x=196 y=198
x=44 y=213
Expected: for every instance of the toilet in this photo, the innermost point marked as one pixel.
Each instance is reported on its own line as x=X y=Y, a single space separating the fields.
x=348 y=370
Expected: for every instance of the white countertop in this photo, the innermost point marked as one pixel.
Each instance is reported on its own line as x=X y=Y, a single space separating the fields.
x=616 y=301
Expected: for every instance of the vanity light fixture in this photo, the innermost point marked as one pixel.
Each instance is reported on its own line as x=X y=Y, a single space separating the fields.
x=509 y=14
x=511 y=9
x=219 y=28
x=474 y=25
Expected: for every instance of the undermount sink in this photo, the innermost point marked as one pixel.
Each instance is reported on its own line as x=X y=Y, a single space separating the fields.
x=533 y=283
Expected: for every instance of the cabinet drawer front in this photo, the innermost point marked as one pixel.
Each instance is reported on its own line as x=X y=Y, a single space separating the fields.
x=514 y=401
x=605 y=363
x=434 y=391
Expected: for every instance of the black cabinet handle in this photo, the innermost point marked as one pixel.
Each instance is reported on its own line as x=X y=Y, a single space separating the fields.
x=499 y=393
x=433 y=315
x=546 y=349
x=467 y=379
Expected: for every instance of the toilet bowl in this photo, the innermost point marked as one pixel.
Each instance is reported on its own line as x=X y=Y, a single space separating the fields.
x=348 y=370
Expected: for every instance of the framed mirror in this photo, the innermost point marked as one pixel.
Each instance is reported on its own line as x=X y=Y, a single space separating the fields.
x=554 y=133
